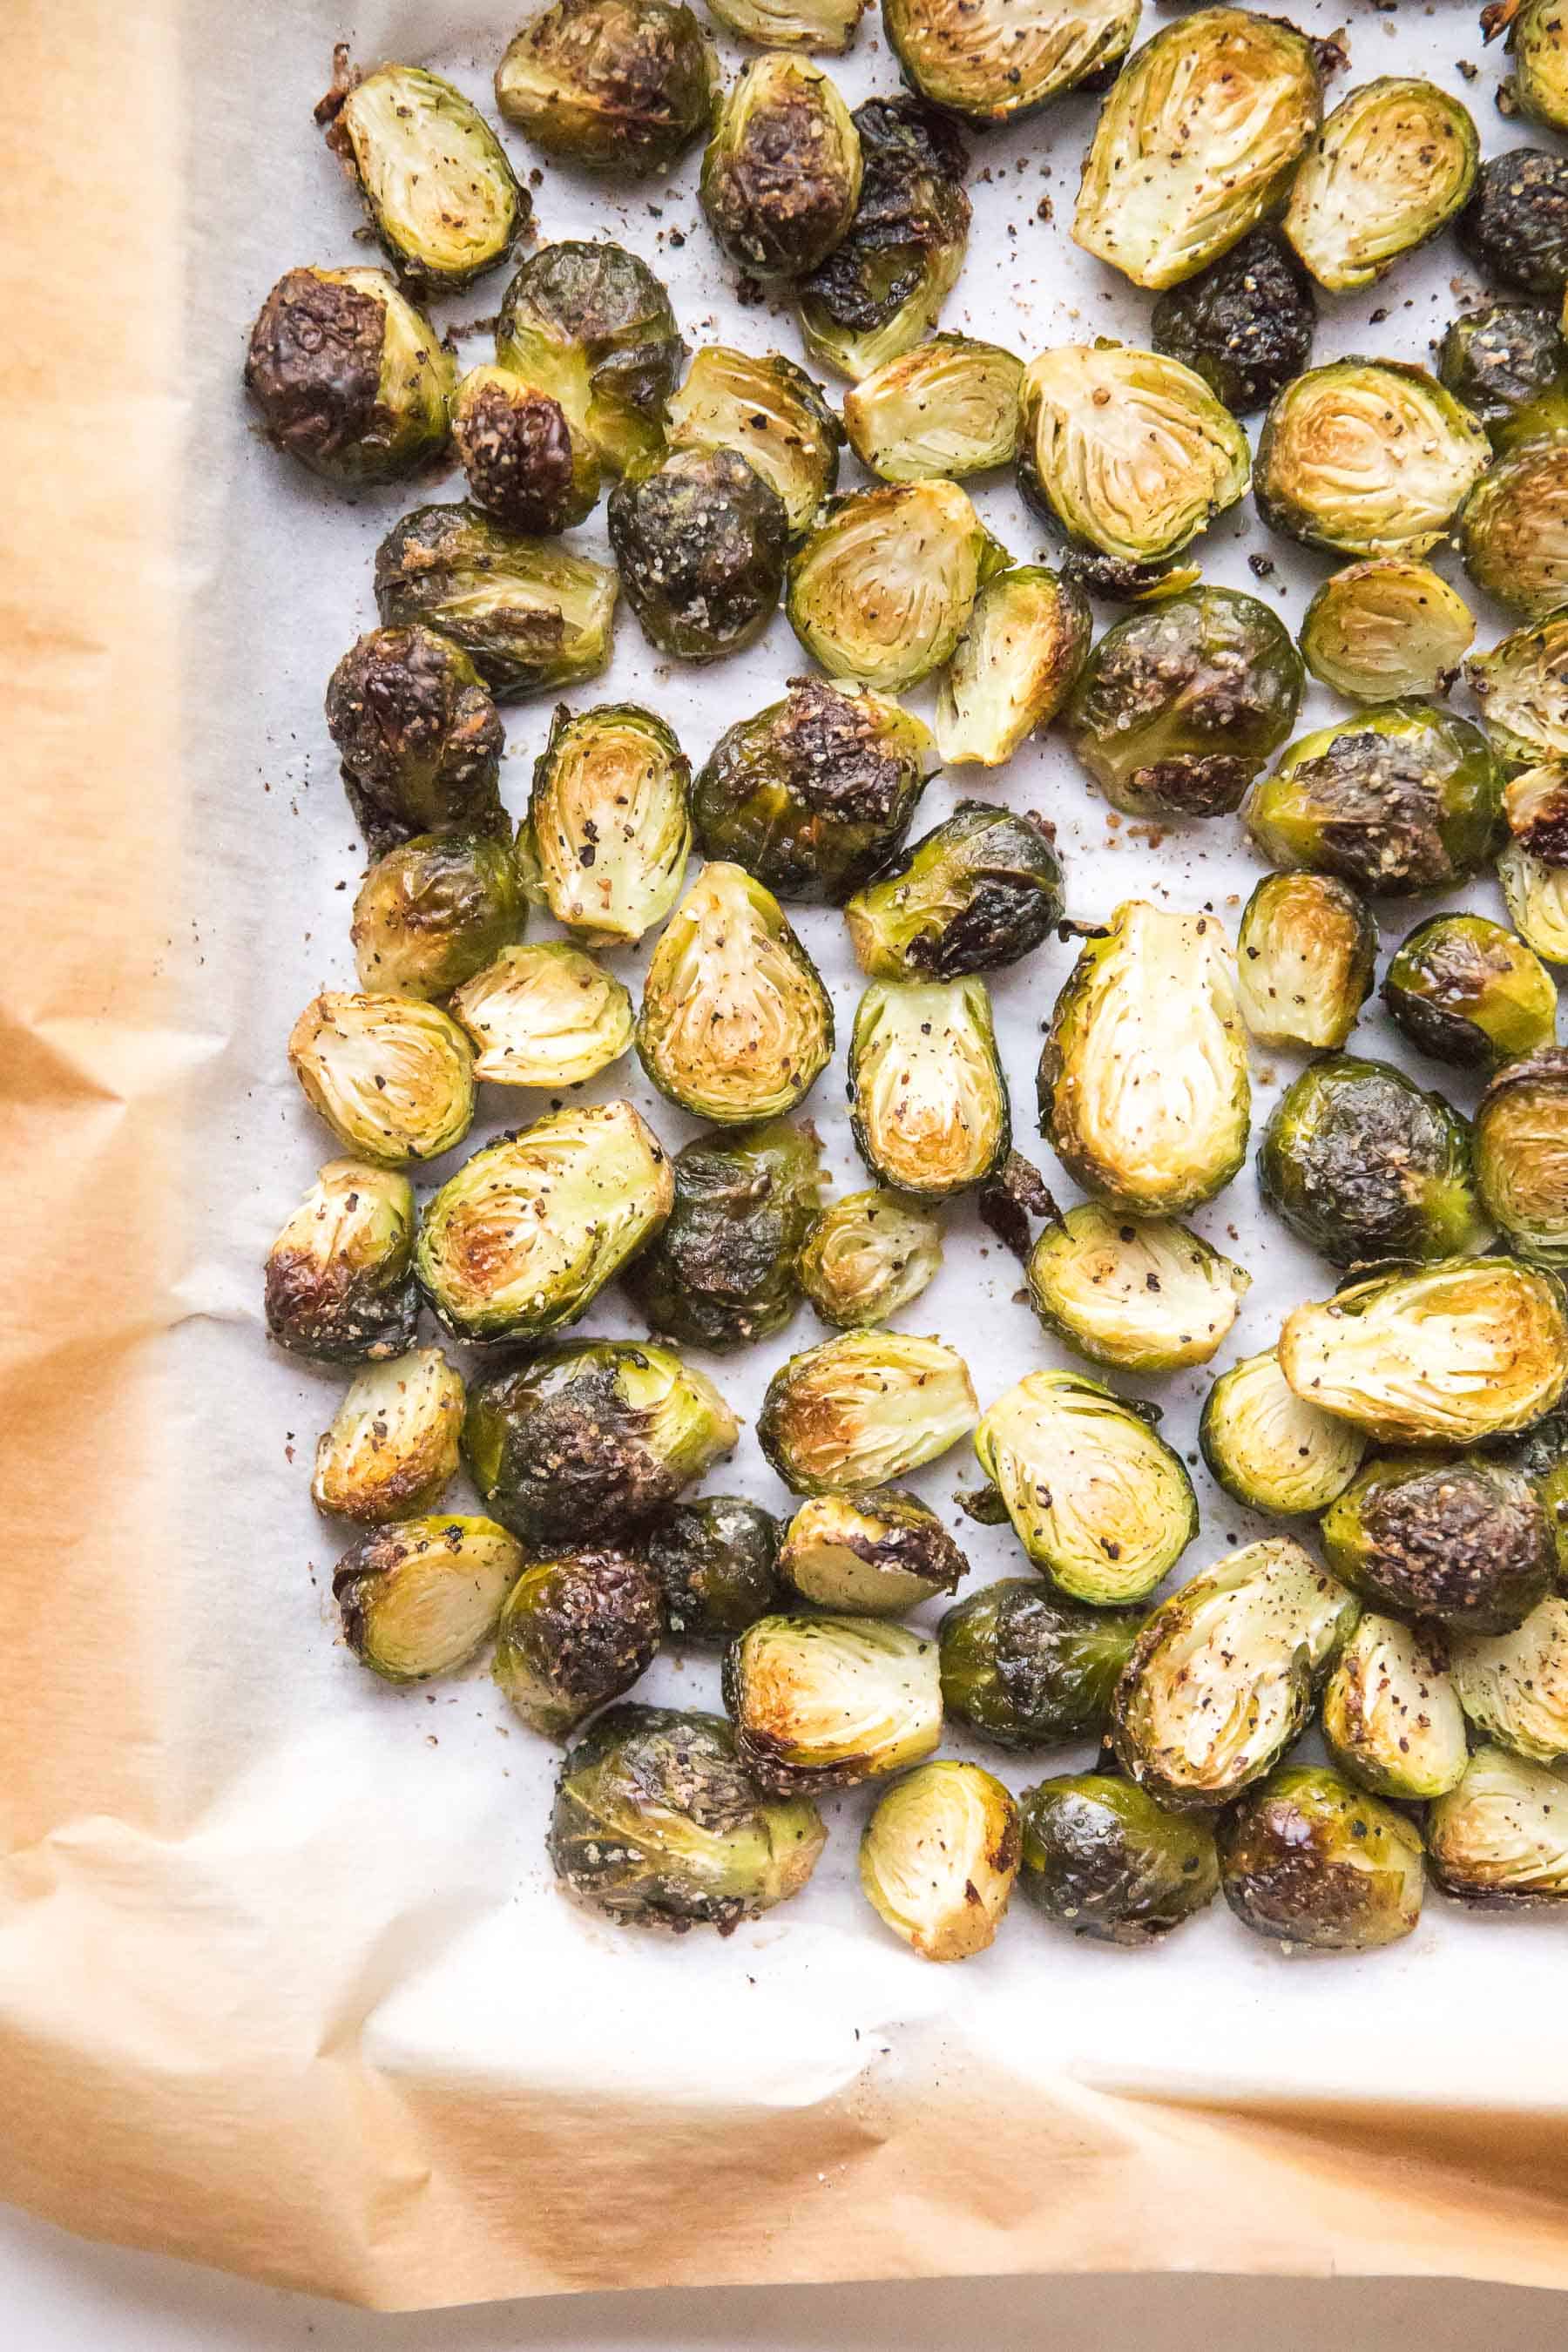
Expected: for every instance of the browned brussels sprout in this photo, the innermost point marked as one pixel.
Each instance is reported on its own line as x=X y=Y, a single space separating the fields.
x=1027 y=1667
x=938 y=1859
x=528 y=615
x=1500 y=1840
x=591 y=325
x=1535 y=804
x=1463 y=1539
x=1514 y=533
x=1538 y=44
x=619 y=86
x=863 y=1410
x=1103 y=1858
x=877 y=294
x=768 y=411
x=1391 y=165
x=981 y=891
x=700 y=542
x=1306 y=954
x=1144 y=1296
x=434 y=912
x=781 y=174
x=393 y=1078
x=440 y=193
x=1386 y=629
x=824 y=26
x=1467 y=991
x=1404 y=797
x=824 y=1702
x=867 y=1256
x=1515 y=226
x=1392 y=1718
x=1014 y=666
x=1367 y=458
x=340 y=1277
x=716 y=1564
x=347 y=376
x=419 y=736
x=988 y=61
x=608 y=828
x=1521 y=685
x=576 y=1630
x=722 y=1271
x=1521 y=1155
x=419 y=1597
x=872 y=1553
x=1505 y=362
x=929 y=1105
x=1542 y=1454
x=1271 y=1449
x=1245 y=324
x=947 y=409
x=527 y=460
x=1312 y=1861
x=391 y=1448
x=1363 y=1165
x=883 y=588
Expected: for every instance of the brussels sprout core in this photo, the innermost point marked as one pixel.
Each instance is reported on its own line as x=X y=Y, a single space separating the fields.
x=1363 y=1165
x=867 y=1256
x=619 y=86
x=528 y=615
x=822 y=1702
x=436 y=182
x=339 y=1278
x=948 y=408
x=781 y=175
x=864 y=1408
x=1027 y=1667
x=1271 y=1449
x=1014 y=666
x=938 y=1859
x=576 y=1631
x=419 y=737
x=390 y=1075
x=544 y=1016
x=608 y=830
x=1103 y=1858
x=981 y=891
x=1310 y=1861
x=768 y=411
x=1389 y=627
x=879 y=292
x=347 y=376
x=883 y=588
x=391 y=1448
x=1521 y=1155
x=1392 y=1718
x=1500 y=1840
x=872 y=1553
x=1467 y=991
x=1391 y=165
x=421 y=1596
x=1367 y=458
x=1403 y=798
x=927 y=1100
x=1306 y=953
x=1147 y=1296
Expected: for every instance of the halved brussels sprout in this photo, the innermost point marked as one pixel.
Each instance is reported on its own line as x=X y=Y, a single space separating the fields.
x=391 y=1077
x=391 y=1447
x=1363 y=1164
x=770 y=412
x=1221 y=1681
x=1309 y=1861
x=1102 y=1857
x=1180 y=707
x=1245 y=324
x=721 y=1271
x=700 y=540
x=882 y=288
x=864 y=1410
x=820 y=1703
x=434 y=912
x=1513 y=1686
x=1542 y=1454
x=1392 y=1718
x=1500 y=1840
x=824 y=26
x=867 y=1256
x=347 y=376
x=419 y=736
x=1147 y=1297
x=1514 y=533
x=716 y=1564
x=1537 y=899
x=1197 y=143
x=528 y=614
x=883 y=588
x=1306 y=954
x=1535 y=806
x=1467 y=991
x=339 y=1282
x=608 y=828
x=1521 y=685
x=592 y=324
x=1143 y=1087
x=817 y=791
x=1505 y=361
x=1538 y=44
x=440 y=193
x=781 y=174
x=1462 y=1541
x=619 y=86
x=1515 y=226
x=1269 y=1448
x=735 y=1024
x=577 y=1630
x=927 y=1100
x=1367 y=458
x=938 y=1859
x=1014 y=666
x=1402 y=798
x=989 y=62
x=1027 y=1667
x=872 y=1553
x=1386 y=629
x=1521 y=1155
x=589 y=1441
x=528 y=459
x=948 y=408
x=529 y=1231
x=419 y=1597
x=981 y=891
x=657 y=1824
x=1391 y=165
x=544 y=1016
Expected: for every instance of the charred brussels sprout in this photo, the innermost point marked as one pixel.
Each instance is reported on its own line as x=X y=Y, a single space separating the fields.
x=657 y=1824
x=544 y=1016
x=1367 y=458
x=1538 y=44
x=527 y=460
x=1535 y=804
x=393 y=1078
x=1513 y=1686
x=867 y=1256
x=347 y=376
x=1467 y=991
x=781 y=174
x=576 y=1631
x=820 y=1703
x=1245 y=324
x=1500 y=1840
x=589 y=1441
x=716 y=1564
x=1501 y=361
x=721 y=1271
x=700 y=542
x=1462 y=1540
x=1362 y=1164
x=1269 y=1448
x=391 y=1448
x=1102 y=1857
x=980 y=892
x=872 y=1553
x=591 y=325
x=1542 y=1454
x=1537 y=898
x=1392 y=1718
x=528 y=615
x=529 y=1231
x=864 y=1408
x=1197 y=143
x=1521 y=1155
x=735 y=1024
x=1143 y=1087
x=1391 y=165
x=1027 y=1667
x=938 y=1859
x=1311 y=1862
x=1014 y=666
x=1402 y=798
x=883 y=588
x=440 y=193
x=1306 y=953
x=992 y=62
x=421 y=1596
x=608 y=828
x=1521 y=685
x=435 y=910
x=948 y=408
x=1515 y=226
x=1146 y=1297
x=825 y=26
x=817 y=791
x=1513 y=534
x=1386 y=629
x=1180 y=707
x=619 y=86
x=419 y=737
x=340 y=1277
x=928 y=1099
x=877 y=294
x=771 y=414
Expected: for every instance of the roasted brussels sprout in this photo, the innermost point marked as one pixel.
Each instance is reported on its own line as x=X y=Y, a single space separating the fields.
x=340 y=1277
x=735 y=1024
x=528 y=1232
x=1197 y=143
x=1245 y=324
x=419 y=736
x=817 y=791
x=1521 y=685
x=871 y=1553
x=1386 y=629
x=781 y=174
x=1539 y=85
x=981 y=891
x=1220 y=1680
x=1392 y=1718
x=1364 y=1165
x=1467 y=991
x=1143 y=1087
x=544 y=1016
x=1014 y=666
x=1270 y=1448
x=1500 y=1840
x=391 y=1077
x=1391 y=165
x=1027 y=1667
x=1102 y=1857
x=721 y=1271
x=883 y=587
x=824 y=26
x=1147 y=1297
x=592 y=324
x=822 y=1702
x=608 y=829
x=938 y=1859
x=421 y=1596
x=1537 y=898
x=1306 y=954
x=928 y=1099
x=863 y=1410
x=440 y=194
x=947 y=408
x=768 y=411
x=347 y=376
x=867 y=1256
x=716 y=1564
x=1503 y=363
x=1402 y=798
x=591 y=1440
x=1542 y=1454
x=434 y=912
x=1521 y=1155
x=619 y=86
x=528 y=459
x=657 y=1823
x=1181 y=706
x=1535 y=806
x=1367 y=458
x=881 y=288
x=1513 y=1686
x=1447 y=1355
x=1515 y=226
x=1514 y=533
x=699 y=541
x=576 y=1630
x=1312 y=1861
x=528 y=615
x=391 y=1448
x=1463 y=1540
